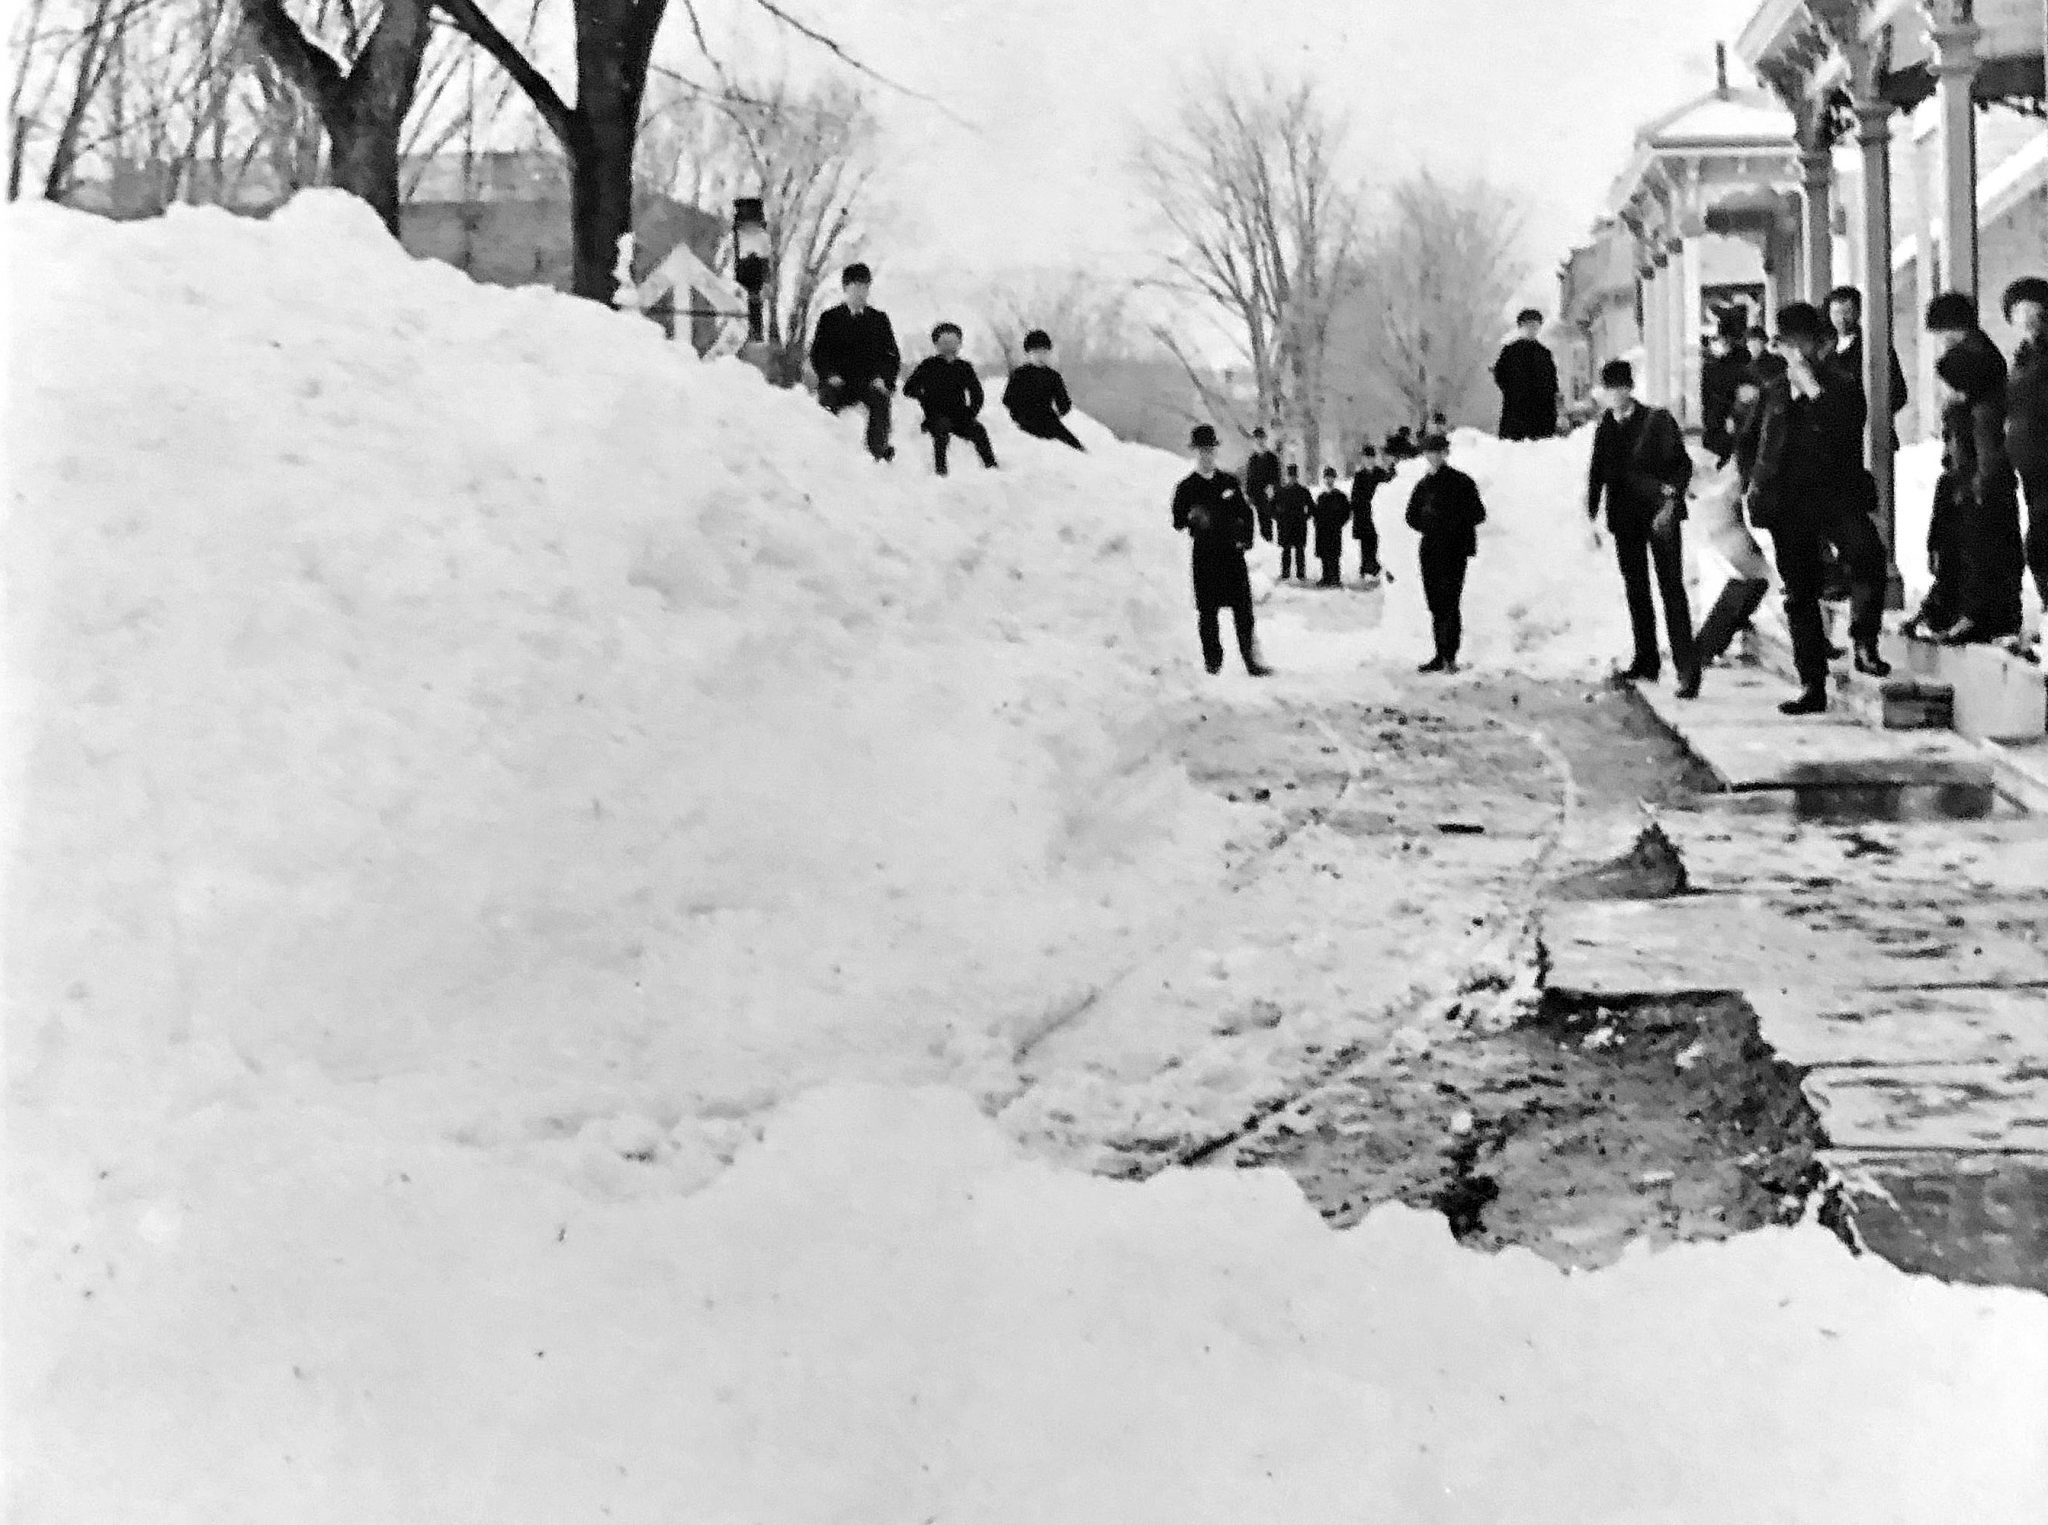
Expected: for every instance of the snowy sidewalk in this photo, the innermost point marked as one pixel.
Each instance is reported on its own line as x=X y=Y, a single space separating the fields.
x=1902 y=963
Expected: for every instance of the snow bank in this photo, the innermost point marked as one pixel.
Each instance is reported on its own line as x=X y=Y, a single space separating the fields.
x=882 y=1313
x=464 y=690
x=465 y=758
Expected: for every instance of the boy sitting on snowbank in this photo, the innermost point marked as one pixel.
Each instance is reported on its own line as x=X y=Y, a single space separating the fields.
x=950 y=393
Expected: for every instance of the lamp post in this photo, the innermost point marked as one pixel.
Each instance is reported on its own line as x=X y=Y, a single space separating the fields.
x=750 y=258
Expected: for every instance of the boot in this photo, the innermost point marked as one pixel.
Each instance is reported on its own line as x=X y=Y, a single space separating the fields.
x=1869 y=662
x=1688 y=685
x=1434 y=664
x=1810 y=701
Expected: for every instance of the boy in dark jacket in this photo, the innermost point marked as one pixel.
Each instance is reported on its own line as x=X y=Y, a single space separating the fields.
x=1973 y=542
x=1292 y=510
x=1332 y=514
x=2026 y=414
x=950 y=393
x=1641 y=468
x=1806 y=489
x=1036 y=395
x=1210 y=506
x=856 y=360
x=1365 y=484
x=1446 y=512
x=1262 y=481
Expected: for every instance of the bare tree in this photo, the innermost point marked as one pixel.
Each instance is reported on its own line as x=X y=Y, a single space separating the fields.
x=1086 y=320
x=362 y=95
x=1438 y=280
x=1249 y=182
x=810 y=154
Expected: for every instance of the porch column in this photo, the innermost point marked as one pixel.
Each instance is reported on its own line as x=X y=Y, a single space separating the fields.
x=1817 y=241
x=1653 y=330
x=1874 y=137
x=1954 y=36
x=1689 y=304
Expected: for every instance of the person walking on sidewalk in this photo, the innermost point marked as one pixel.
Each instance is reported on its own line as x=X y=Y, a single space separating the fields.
x=1292 y=509
x=1527 y=377
x=1446 y=511
x=1210 y=506
x=1036 y=394
x=1262 y=482
x=1365 y=483
x=1973 y=541
x=2026 y=415
x=1641 y=469
x=1332 y=514
x=949 y=391
x=1805 y=491
x=856 y=360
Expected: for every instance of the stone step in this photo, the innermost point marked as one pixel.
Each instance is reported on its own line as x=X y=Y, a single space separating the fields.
x=1735 y=729
x=1996 y=696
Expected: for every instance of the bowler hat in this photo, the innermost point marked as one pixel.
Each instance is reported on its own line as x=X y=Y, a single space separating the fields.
x=1204 y=438
x=1617 y=373
x=1435 y=444
x=945 y=328
x=1038 y=338
x=857 y=274
x=1528 y=315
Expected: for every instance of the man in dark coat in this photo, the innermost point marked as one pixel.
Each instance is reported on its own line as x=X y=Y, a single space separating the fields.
x=1262 y=481
x=1365 y=484
x=1527 y=378
x=1293 y=507
x=1721 y=381
x=1210 y=506
x=1974 y=546
x=949 y=391
x=1332 y=514
x=2026 y=414
x=856 y=360
x=1445 y=510
x=1641 y=468
x=1036 y=395
x=1805 y=490
x=1845 y=316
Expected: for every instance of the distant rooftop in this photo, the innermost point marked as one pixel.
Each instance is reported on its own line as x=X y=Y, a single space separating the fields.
x=1731 y=117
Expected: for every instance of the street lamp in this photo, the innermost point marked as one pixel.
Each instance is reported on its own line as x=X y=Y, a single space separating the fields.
x=750 y=257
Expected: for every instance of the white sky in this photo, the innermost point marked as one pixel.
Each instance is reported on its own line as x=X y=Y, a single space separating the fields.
x=1542 y=96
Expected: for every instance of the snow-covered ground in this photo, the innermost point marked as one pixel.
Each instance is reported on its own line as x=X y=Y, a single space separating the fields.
x=470 y=769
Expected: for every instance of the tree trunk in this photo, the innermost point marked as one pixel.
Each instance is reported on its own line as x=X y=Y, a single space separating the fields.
x=613 y=41
x=362 y=159
x=363 y=110
x=600 y=198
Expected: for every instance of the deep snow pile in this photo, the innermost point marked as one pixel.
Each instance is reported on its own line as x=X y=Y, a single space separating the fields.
x=453 y=687
x=465 y=756
x=882 y=1313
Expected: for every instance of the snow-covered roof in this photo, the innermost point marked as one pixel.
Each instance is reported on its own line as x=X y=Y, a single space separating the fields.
x=1747 y=117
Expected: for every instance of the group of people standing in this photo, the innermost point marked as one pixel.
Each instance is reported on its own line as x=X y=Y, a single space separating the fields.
x=1286 y=511
x=1793 y=419
x=1789 y=410
x=857 y=362
x=1225 y=517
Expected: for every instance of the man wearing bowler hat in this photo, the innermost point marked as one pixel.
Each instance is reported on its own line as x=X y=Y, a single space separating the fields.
x=1211 y=506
